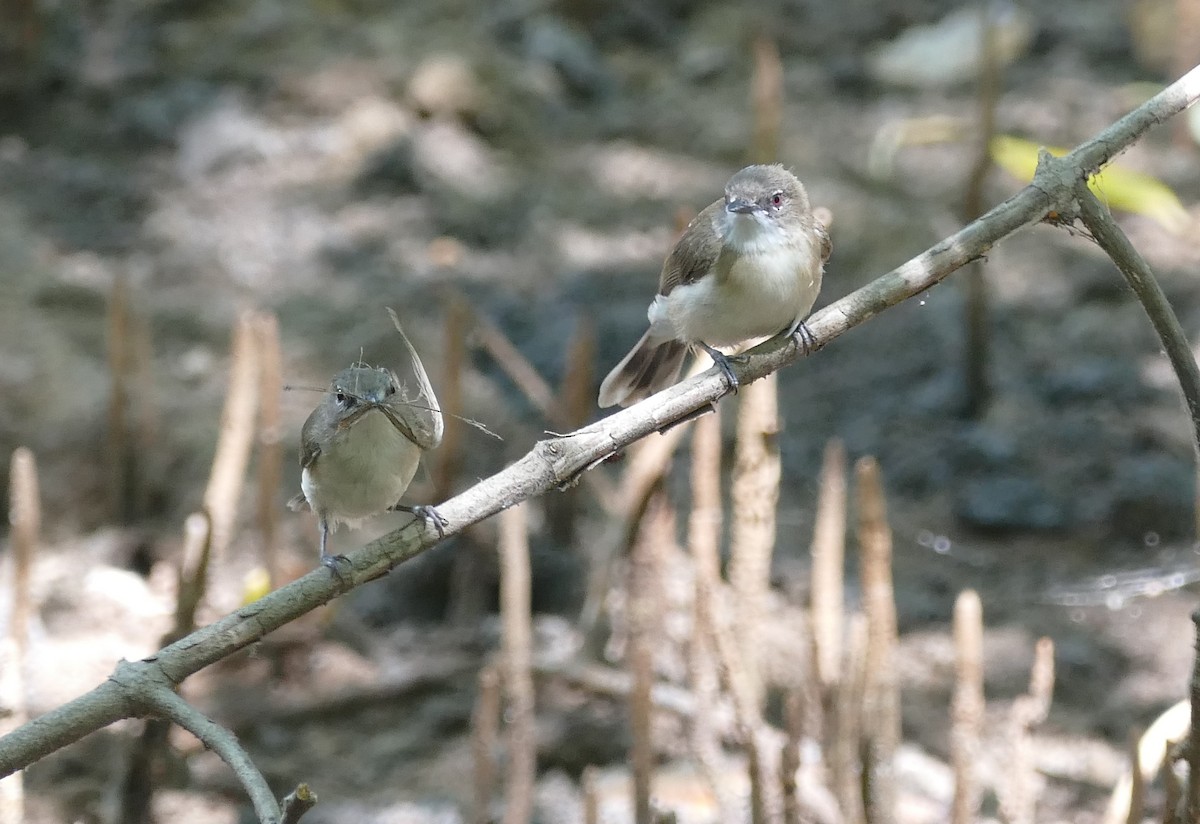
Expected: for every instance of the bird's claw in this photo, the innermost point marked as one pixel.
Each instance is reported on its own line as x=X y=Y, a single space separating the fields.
x=721 y=360
x=334 y=562
x=429 y=515
x=804 y=338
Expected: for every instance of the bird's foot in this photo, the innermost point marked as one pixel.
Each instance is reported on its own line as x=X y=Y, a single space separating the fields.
x=722 y=362
x=429 y=515
x=334 y=564
x=804 y=338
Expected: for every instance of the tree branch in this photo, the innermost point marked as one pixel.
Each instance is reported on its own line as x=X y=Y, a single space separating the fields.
x=1140 y=276
x=162 y=700
x=558 y=461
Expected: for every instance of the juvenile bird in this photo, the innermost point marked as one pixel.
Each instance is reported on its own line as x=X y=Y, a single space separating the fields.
x=749 y=265
x=360 y=448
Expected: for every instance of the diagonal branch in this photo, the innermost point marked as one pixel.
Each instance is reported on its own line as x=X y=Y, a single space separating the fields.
x=162 y=700
x=558 y=461
x=1138 y=274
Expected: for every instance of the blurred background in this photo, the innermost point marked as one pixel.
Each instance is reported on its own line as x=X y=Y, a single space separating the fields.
x=508 y=177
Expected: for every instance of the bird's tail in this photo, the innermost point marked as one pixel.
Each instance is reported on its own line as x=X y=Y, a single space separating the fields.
x=652 y=365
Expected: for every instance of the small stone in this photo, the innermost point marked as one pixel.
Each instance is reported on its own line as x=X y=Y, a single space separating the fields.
x=445 y=85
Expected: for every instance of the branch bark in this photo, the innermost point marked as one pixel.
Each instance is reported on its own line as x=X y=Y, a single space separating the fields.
x=557 y=462
x=1140 y=276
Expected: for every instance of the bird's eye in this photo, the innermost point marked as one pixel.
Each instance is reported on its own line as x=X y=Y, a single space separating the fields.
x=777 y=199
x=341 y=396
x=391 y=390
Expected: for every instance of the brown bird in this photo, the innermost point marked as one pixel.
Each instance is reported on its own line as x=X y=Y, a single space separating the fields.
x=749 y=265
x=360 y=449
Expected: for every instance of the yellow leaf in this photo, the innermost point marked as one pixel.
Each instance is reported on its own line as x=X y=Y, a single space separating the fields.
x=255 y=585
x=1119 y=187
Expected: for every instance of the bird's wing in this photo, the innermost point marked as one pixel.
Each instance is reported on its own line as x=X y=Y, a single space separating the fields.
x=419 y=418
x=694 y=253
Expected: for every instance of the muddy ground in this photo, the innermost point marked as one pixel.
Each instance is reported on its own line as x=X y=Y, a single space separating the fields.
x=323 y=161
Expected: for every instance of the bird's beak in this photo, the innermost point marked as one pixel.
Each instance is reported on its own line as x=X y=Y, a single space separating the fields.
x=738 y=206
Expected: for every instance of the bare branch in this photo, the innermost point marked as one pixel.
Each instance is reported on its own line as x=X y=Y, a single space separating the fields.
x=296 y=803
x=163 y=700
x=1141 y=279
x=558 y=461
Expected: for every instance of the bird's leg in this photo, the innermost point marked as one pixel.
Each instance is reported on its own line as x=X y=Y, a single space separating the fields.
x=327 y=560
x=428 y=514
x=803 y=337
x=722 y=362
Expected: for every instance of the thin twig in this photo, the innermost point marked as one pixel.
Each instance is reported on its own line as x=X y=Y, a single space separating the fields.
x=1140 y=277
x=296 y=803
x=166 y=701
x=516 y=653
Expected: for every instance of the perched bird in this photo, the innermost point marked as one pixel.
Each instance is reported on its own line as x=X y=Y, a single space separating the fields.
x=360 y=448
x=749 y=265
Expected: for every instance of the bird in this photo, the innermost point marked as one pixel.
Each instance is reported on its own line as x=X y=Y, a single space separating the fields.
x=360 y=448
x=749 y=265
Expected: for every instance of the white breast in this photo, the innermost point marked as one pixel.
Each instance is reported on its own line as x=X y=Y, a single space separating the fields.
x=772 y=285
x=363 y=472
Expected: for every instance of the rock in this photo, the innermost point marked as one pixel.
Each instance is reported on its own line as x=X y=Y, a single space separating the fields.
x=1006 y=502
x=447 y=156
x=571 y=53
x=445 y=85
x=946 y=53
